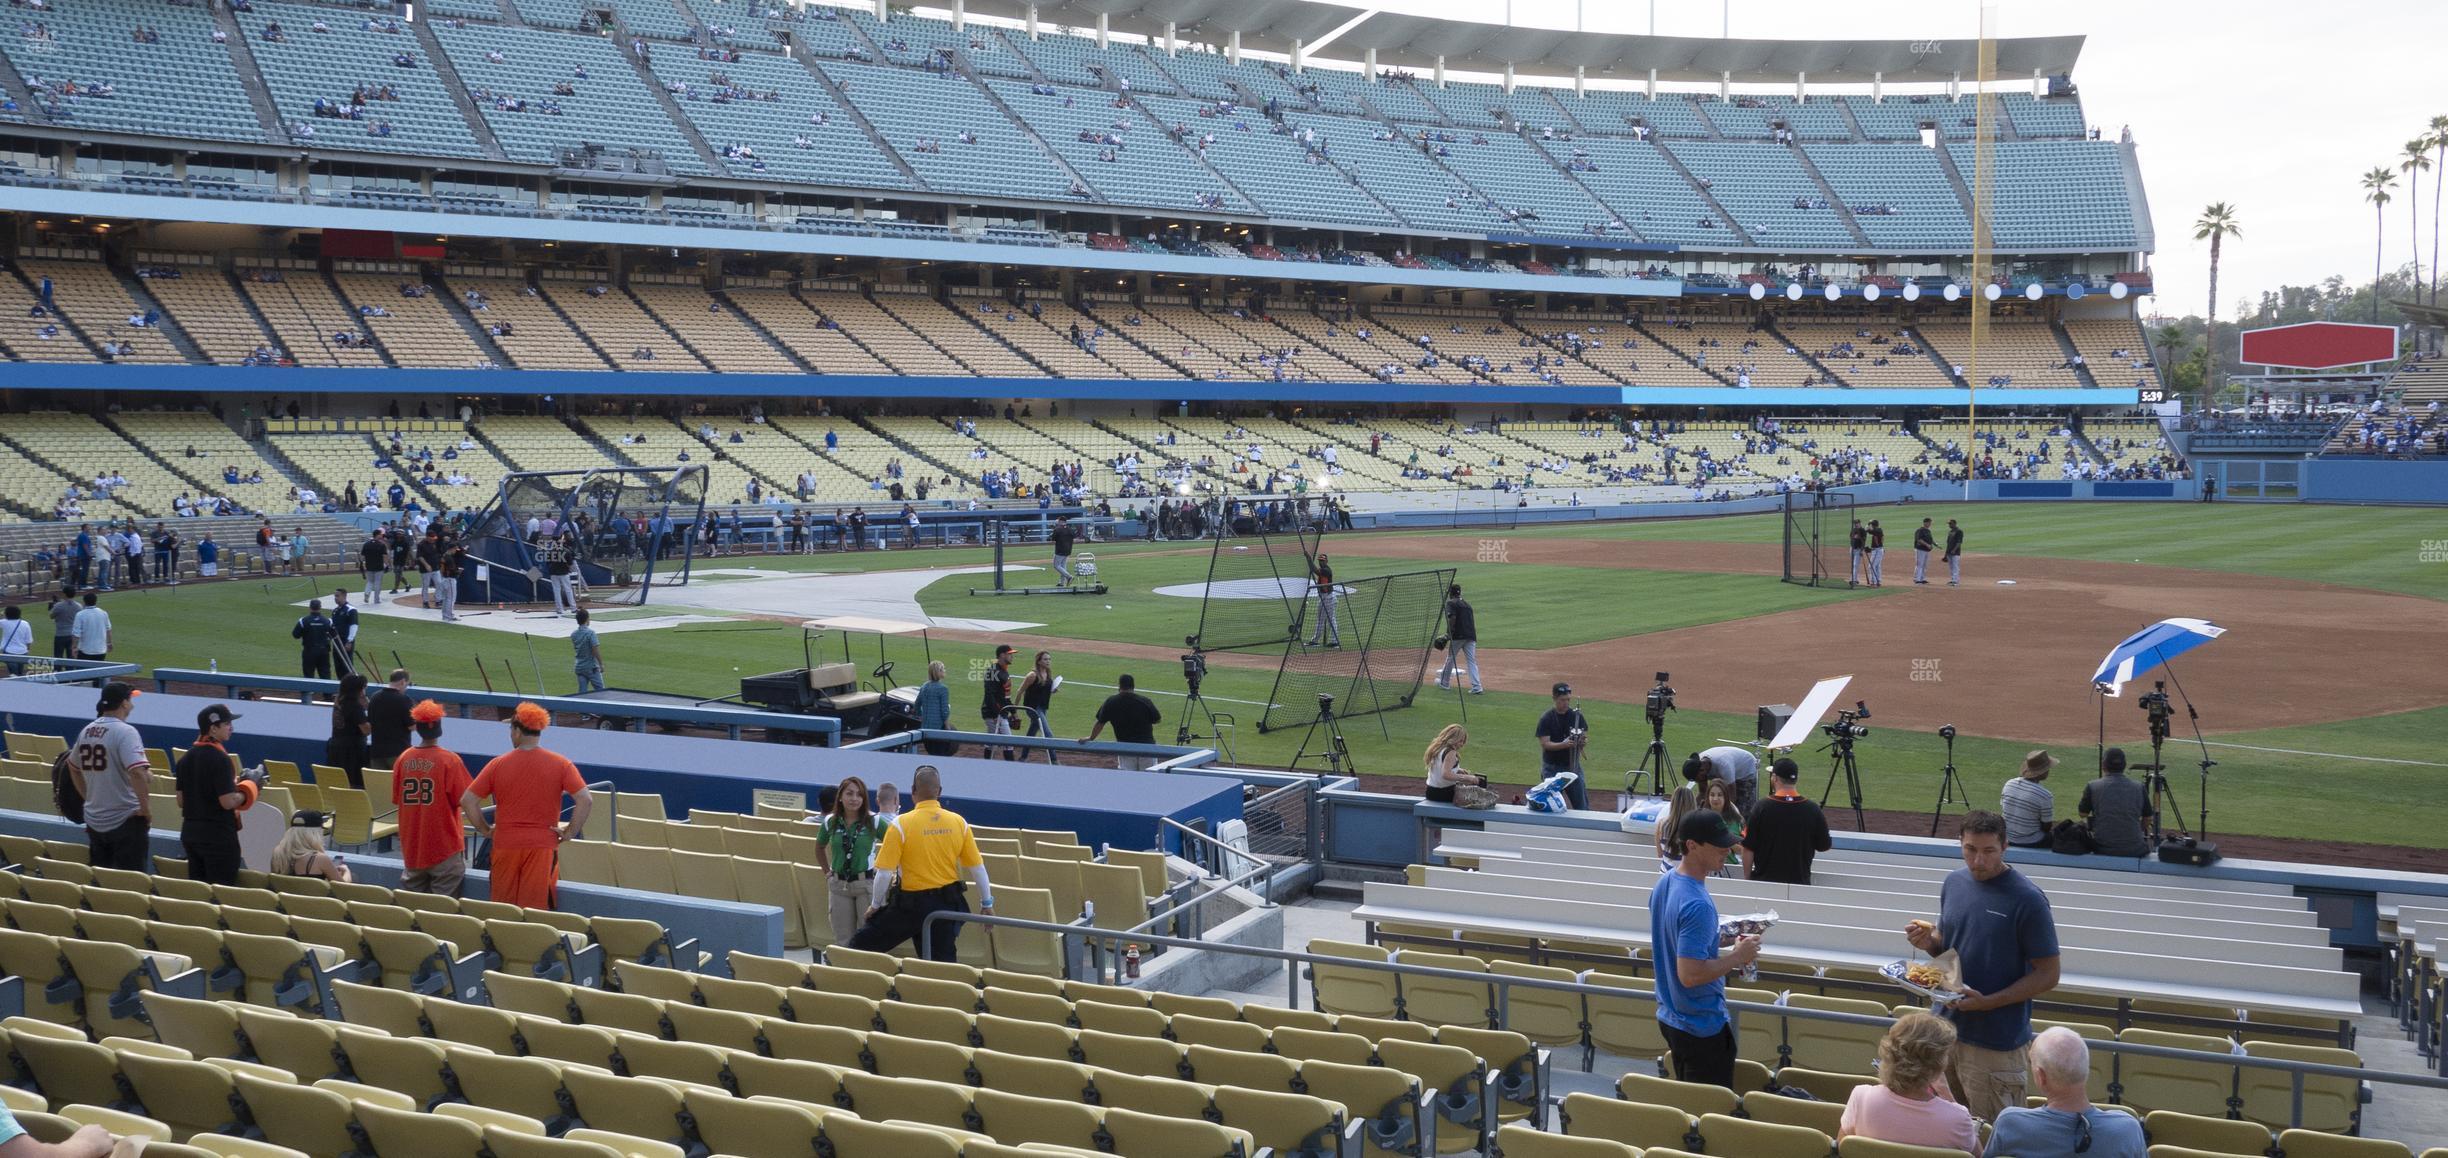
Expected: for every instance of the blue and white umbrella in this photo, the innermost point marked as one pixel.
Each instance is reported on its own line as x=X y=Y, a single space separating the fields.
x=2150 y=647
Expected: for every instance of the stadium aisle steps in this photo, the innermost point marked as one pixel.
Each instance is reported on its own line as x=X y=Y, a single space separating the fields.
x=756 y=326
x=170 y=328
x=249 y=73
x=1836 y=201
x=686 y=128
x=480 y=130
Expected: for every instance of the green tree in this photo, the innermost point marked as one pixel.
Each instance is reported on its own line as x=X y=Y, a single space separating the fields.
x=2376 y=184
x=2415 y=158
x=2439 y=143
x=2216 y=223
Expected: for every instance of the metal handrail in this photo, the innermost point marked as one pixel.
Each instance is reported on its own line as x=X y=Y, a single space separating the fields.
x=1503 y=985
x=1163 y=822
x=1218 y=886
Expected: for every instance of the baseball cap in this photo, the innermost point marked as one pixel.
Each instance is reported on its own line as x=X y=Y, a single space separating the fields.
x=212 y=715
x=1707 y=826
x=1785 y=769
x=1561 y=690
x=115 y=693
x=309 y=818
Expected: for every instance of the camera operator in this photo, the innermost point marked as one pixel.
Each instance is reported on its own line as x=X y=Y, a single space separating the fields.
x=2029 y=807
x=1562 y=735
x=1735 y=765
x=1786 y=831
x=2118 y=809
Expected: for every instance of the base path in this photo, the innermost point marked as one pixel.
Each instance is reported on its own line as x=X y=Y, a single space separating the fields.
x=2013 y=662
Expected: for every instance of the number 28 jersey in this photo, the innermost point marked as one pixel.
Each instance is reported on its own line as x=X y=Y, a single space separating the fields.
x=426 y=784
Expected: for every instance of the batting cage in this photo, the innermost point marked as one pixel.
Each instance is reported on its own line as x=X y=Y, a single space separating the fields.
x=1263 y=594
x=1818 y=538
x=1387 y=628
x=635 y=532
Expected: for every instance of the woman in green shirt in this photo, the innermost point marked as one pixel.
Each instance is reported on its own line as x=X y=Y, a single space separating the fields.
x=848 y=838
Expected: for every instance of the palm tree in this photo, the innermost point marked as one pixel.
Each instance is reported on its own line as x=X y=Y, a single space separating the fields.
x=2439 y=142
x=2376 y=185
x=2411 y=162
x=2217 y=223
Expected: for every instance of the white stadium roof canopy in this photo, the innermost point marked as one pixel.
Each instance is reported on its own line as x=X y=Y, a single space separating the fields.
x=1415 y=42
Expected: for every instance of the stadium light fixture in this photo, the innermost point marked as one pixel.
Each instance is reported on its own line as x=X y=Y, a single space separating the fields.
x=2118 y=291
x=1870 y=291
x=2033 y=292
x=1758 y=291
x=1832 y=291
x=1954 y=293
x=1992 y=291
x=1912 y=291
x=1793 y=291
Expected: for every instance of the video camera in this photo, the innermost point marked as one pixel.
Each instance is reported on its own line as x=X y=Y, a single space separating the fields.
x=1194 y=669
x=1661 y=700
x=2155 y=703
x=1846 y=729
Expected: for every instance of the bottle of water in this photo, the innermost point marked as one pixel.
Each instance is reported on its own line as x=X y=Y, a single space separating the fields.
x=216 y=666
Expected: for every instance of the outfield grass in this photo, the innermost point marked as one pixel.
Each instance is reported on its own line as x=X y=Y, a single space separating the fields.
x=2375 y=547
x=245 y=627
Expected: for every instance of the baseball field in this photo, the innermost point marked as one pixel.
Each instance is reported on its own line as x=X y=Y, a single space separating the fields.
x=2325 y=706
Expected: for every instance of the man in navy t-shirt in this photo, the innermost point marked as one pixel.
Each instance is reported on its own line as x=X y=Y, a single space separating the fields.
x=1691 y=971
x=1999 y=924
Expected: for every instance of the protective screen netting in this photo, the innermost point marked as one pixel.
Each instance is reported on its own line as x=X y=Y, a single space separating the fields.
x=634 y=530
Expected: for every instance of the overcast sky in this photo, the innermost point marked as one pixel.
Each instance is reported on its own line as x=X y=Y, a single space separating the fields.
x=2275 y=107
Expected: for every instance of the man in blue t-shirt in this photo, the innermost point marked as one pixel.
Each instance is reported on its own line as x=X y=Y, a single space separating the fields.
x=1691 y=971
x=1999 y=925
x=2069 y=1124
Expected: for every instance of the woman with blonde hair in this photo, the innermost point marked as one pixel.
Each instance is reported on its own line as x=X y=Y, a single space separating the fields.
x=301 y=852
x=1444 y=760
x=1911 y=1104
x=1686 y=801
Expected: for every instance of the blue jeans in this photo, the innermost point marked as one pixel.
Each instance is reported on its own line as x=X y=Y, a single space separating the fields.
x=590 y=679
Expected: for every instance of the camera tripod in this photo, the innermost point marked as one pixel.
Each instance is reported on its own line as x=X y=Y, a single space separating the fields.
x=1950 y=786
x=1336 y=753
x=1654 y=763
x=1842 y=765
x=1220 y=724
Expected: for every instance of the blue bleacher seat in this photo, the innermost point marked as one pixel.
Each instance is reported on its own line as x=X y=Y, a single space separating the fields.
x=908 y=106
x=182 y=84
x=838 y=152
x=1758 y=183
x=612 y=107
x=2056 y=194
x=1928 y=215
x=355 y=49
x=1147 y=168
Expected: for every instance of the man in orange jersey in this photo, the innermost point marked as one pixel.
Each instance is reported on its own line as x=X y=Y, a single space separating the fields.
x=526 y=785
x=428 y=783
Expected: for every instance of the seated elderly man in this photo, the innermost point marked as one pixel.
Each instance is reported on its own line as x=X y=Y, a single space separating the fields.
x=2069 y=1124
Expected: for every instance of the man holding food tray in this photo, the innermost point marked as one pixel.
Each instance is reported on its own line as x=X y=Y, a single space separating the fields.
x=2004 y=939
x=1693 y=958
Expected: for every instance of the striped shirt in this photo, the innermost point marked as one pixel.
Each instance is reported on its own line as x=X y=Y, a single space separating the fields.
x=2030 y=811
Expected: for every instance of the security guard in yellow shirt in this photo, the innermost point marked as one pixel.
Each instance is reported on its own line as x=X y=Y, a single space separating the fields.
x=918 y=870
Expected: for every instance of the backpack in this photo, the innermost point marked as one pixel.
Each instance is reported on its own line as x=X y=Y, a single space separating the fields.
x=64 y=794
x=2071 y=839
